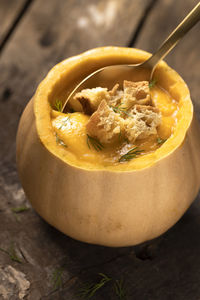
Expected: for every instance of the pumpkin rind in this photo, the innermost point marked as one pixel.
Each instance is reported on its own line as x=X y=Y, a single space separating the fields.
x=107 y=207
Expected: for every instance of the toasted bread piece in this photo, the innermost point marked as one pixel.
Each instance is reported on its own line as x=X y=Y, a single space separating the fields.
x=144 y=108
x=116 y=96
x=91 y=98
x=105 y=124
x=114 y=90
x=136 y=93
x=143 y=122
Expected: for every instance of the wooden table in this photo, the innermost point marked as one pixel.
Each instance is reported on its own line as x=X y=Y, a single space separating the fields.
x=37 y=261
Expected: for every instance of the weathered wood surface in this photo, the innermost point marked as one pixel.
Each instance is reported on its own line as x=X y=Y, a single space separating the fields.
x=9 y=10
x=53 y=266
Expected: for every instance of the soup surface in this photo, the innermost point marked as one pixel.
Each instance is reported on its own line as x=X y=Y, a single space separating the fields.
x=74 y=134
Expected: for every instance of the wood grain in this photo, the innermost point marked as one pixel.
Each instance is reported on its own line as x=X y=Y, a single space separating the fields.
x=9 y=10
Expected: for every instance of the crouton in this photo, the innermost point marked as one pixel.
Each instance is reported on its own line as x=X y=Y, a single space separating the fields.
x=116 y=96
x=114 y=90
x=143 y=122
x=136 y=93
x=133 y=116
x=91 y=98
x=105 y=124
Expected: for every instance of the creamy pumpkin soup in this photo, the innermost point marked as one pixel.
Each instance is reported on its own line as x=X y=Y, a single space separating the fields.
x=116 y=126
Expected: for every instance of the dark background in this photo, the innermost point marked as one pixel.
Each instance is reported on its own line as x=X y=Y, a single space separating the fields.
x=37 y=261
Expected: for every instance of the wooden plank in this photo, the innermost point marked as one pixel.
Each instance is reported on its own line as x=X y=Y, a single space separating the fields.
x=185 y=57
x=52 y=30
x=9 y=10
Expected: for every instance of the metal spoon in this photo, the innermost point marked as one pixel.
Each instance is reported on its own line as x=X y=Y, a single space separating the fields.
x=109 y=75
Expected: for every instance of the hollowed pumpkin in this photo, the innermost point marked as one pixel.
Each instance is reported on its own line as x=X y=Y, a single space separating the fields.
x=119 y=205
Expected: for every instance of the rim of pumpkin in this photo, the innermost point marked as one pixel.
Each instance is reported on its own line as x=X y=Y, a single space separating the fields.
x=66 y=74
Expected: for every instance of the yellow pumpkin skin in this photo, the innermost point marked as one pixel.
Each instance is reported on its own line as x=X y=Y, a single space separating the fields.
x=99 y=206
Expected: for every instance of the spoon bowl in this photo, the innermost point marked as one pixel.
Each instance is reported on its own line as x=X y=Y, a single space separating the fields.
x=109 y=75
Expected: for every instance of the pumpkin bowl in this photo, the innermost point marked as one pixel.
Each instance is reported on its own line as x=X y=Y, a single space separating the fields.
x=117 y=205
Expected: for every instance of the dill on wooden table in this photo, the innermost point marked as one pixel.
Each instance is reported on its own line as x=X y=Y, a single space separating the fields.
x=89 y=290
x=57 y=278
x=19 y=209
x=120 y=289
x=12 y=253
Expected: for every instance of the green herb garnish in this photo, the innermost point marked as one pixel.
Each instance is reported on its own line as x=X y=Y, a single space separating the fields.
x=152 y=83
x=12 y=253
x=120 y=289
x=19 y=209
x=133 y=153
x=88 y=290
x=120 y=110
x=160 y=141
x=64 y=122
x=60 y=142
x=58 y=105
x=57 y=278
x=94 y=143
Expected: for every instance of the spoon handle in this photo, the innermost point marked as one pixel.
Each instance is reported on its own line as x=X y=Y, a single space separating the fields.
x=189 y=21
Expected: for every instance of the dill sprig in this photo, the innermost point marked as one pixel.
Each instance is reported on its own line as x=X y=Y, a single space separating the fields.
x=19 y=209
x=94 y=143
x=64 y=122
x=120 y=289
x=12 y=253
x=120 y=110
x=58 y=105
x=88 y=290
x=59 y=141
x=133 y=153
x=160 y=141
x=152 y=83
x=57 y=278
